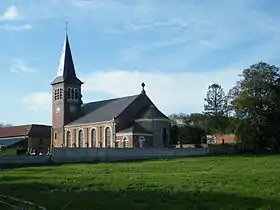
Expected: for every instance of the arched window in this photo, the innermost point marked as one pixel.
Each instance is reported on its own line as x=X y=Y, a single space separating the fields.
x=56 y=94
x=68 y=93
x=117 y=144
x=164 y=137
x=107 y=137
x=72 y=93
x=60 y=93
x=81 y=138
x=68 y=139
x=76 y=96
x=125 y=142
x=93 y=138
x=141 y=141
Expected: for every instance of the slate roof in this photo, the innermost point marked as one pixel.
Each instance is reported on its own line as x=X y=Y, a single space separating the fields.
x=32 y=130
x=151 y=112
x=106 y=110
x=66 y=70
x=11 y=141
x=134 y=128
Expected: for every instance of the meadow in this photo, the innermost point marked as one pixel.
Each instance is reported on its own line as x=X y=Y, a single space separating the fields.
x=236 y=182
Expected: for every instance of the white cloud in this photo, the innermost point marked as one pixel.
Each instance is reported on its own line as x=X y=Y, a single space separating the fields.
x=199 y=30
x=135 y=51
x=38 y=101
x=172 y=92
x=10 y=14
x=19 y=66
x=9 y=27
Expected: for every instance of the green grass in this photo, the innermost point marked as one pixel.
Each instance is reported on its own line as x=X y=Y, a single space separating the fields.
x=189 y=183
x=8 y=152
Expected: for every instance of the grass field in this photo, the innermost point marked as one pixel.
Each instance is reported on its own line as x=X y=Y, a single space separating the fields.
x=9 y=152
x=189 y=183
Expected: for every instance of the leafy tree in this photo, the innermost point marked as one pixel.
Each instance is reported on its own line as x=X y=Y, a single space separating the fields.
x=174 y=134
x=5 y=125
x=257 y=104
x=176 y=119
x=188 y=129
x=233 y=93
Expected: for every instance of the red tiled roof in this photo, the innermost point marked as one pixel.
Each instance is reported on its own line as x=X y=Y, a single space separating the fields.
x=26 y=130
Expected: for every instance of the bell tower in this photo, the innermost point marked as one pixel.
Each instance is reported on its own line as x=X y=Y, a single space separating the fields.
x=66 y=95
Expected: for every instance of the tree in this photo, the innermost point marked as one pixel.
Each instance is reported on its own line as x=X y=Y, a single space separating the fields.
x=216 y=109
x=233 y=93
x=257 y=105
x=5 y=125
x=188 y=129
x=176 y=119
x=216 y=101
x=174 y=134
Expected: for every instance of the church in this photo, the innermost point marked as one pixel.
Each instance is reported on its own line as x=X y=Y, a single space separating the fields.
x=126 y=122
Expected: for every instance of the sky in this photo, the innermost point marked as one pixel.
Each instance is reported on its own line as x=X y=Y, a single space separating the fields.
x=177 y=48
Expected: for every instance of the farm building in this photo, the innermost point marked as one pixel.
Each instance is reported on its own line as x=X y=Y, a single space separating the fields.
x=30 y=137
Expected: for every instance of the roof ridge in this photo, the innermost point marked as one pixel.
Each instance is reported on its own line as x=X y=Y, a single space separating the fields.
x=147 y=109
x=125 y=108
x=111 y=99
x=25 y=125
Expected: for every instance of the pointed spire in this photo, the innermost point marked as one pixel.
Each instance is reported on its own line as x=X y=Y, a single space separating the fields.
x=66 y=69
x=66 y=64
x=66 y=27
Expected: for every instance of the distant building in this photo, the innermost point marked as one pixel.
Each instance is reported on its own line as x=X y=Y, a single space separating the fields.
x=222 y=139
x=32 y=136
x=132 y=121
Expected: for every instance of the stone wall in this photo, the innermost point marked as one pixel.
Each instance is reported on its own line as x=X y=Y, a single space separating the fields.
x=72 y=155
x=84 y=155
x=7 y=161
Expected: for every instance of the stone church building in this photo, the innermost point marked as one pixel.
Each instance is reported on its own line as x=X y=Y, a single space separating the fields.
x=127 y=122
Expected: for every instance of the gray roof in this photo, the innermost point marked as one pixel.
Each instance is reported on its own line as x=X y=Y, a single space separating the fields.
x=151 y=112
x=105 y=110
x=66 y=70
x=134 y=128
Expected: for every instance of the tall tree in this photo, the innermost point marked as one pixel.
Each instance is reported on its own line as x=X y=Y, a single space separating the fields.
x=216 y=109
x=216 y=101
x=233 y=93
x=257 y=103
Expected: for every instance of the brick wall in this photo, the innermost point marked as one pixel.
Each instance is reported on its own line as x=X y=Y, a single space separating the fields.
x=100 y=129
x=228 y=138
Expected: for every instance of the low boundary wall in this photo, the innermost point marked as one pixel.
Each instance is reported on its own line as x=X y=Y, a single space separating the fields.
x=121 y=154
x=72 y=155
x=9 y=161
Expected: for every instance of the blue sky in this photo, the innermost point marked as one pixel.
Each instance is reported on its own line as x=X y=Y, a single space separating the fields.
x=176 y=47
